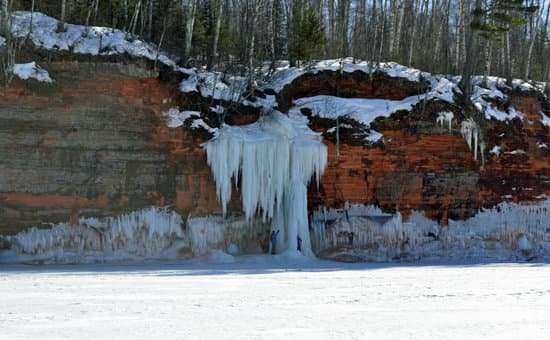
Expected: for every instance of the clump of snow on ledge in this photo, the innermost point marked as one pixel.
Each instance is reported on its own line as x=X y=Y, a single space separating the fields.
x=81 y=39
x=32 y=71
x=274 y=159
x=176 y=118
x=215 y=84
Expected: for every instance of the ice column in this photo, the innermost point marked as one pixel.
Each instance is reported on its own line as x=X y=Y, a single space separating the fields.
x=274 y=160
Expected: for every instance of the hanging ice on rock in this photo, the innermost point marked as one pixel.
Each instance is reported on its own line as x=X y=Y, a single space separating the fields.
x=274 y=160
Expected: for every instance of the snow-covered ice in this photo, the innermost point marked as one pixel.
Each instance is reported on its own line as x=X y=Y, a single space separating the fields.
x=268 y=298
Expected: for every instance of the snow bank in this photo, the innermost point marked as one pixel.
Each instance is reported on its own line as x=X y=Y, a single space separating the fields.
x=32 y=71
x=145 y=234
x=79 y=39
x=274 y=160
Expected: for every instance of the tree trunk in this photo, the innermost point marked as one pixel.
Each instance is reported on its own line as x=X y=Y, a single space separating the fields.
x=254 y=16
x=533 y=30
x=150 y=20
x=507 y=59
x=471 y=56
x=413 y=34
x=401 y=15
x=189 y=25
x=214 y=53
x=5 y=18
x=458 y=32
x=32 y=14
x=96 y=10
x=125 y=8
x=63 y=5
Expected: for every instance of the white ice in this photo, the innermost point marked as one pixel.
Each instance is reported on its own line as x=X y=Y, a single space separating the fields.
x=274 y=159
x=500 y=233
x=445 y=118
x=151 y=233
x=262 y=298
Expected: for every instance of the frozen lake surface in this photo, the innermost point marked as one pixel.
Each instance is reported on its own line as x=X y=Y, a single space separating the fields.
x=268 y=298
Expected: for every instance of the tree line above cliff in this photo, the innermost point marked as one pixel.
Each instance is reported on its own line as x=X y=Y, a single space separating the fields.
x=505 y=37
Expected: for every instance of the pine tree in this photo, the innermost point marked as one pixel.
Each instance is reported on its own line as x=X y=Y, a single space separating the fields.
x=491 y=21
x=308 y=36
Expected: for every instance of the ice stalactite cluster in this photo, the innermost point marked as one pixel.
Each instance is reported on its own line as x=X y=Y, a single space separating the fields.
x=274 y=160
x=506 y=231
x=445 y=118
x=472 y=134
x=149 y=233
x=508 y=223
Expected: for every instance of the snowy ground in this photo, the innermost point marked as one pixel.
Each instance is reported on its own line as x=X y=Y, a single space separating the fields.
x=256 y=298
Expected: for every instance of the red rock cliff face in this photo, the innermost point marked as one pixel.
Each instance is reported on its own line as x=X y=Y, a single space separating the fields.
x=423 y=167
x=96 y=143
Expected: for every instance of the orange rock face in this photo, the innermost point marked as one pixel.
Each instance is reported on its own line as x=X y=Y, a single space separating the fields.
x=96 y=143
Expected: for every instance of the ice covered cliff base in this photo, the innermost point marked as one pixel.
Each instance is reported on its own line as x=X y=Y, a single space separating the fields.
x=273 y=160
x=508 y=231
x=152 y=233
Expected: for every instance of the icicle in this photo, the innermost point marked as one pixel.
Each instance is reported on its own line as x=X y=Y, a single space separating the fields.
x=276 y=158
x=445 y=118
x=470 y=132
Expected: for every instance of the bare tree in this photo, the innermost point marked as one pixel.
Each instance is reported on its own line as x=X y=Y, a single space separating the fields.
x=190 y=14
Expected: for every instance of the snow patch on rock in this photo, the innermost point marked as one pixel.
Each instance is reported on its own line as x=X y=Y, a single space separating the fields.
x=32 y=71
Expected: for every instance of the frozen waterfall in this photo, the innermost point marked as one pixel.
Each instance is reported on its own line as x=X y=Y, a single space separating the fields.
x=274 y=160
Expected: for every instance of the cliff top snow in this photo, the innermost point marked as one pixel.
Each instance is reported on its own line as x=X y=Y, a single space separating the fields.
x=92 y=40
x=487 y=91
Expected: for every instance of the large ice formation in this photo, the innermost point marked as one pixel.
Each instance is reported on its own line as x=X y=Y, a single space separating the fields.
x=151 y=233
x=274 y=160
x=366 y=233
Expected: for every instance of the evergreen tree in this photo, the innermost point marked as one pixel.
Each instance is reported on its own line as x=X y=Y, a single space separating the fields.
x=492 y=20
x=307 y=37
